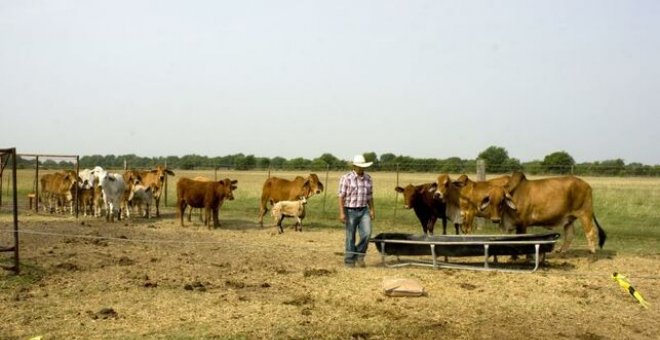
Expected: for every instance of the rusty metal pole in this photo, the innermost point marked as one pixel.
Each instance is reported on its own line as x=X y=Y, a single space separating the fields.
x=15 y=192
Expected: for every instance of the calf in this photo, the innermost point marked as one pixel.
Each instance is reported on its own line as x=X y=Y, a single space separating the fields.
x=284 y=209
x=141 y=195
x=427 y=208
x=203 y=194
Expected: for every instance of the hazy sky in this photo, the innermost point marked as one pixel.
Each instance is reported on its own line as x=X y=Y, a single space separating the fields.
x=301 y=78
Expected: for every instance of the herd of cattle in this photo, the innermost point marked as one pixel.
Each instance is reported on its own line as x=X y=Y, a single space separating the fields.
x=513 y=201
x=98 y=190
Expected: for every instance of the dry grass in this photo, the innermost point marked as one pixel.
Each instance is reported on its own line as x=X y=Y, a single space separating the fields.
x=245 y=282
x=151 y=278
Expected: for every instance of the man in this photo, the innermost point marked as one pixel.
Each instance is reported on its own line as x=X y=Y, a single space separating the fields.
x=356 y=210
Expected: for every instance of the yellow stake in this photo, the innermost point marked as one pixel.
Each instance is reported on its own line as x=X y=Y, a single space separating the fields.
x=625 y=285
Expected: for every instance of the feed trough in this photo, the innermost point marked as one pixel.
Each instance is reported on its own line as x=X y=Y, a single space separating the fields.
x=401 y=244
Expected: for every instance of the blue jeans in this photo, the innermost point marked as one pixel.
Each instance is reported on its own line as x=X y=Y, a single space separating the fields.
x=357 y=219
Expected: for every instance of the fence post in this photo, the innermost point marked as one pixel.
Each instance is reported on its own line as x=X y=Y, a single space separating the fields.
x=396 y=195
x=325 y=192
x=481 y=170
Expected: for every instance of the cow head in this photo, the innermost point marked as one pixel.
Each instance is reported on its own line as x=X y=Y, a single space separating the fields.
x=228 y=187
x=495 y=202
x=315 y=185
x=409 y=194
x=161 y=172
x=440 y=187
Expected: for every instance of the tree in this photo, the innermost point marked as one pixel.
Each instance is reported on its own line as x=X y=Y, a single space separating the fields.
x=496 y=158
x=329 y=160
x=371 y=157
x=559 y=162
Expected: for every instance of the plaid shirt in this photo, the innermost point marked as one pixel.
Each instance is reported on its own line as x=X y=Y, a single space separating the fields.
x=355 y=190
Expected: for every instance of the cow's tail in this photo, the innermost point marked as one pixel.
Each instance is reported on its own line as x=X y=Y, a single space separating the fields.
x=601 y=234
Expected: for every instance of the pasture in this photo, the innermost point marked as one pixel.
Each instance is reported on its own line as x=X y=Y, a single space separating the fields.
x=85 y=278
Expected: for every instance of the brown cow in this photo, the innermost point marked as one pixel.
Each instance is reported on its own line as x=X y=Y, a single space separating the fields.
x=207 y=195
x=464 y=198
x=59 y=188
x=427 y=208
x=549 y=202
x=155 y=179
x=473 y=195
x=278 y=189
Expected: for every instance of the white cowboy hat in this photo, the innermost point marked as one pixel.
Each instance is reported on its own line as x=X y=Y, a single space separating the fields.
x=359 y=161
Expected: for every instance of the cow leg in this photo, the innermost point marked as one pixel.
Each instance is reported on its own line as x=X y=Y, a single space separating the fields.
x=590 y=232
x=431 y=225
x=569 y=234
x=279 y=224
x=158 y=206
x=298 y=223
x=216 y=221
x=457 y=226
x=262 y=210
x=181 y=210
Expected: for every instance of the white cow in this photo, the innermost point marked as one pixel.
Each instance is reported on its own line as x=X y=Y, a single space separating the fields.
x=112 y=187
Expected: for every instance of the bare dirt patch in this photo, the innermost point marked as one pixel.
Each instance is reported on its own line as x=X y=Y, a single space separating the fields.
x=155 y=279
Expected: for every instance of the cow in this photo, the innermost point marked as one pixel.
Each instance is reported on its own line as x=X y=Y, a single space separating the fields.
x=427 y=208
x=203 y=194
x=472 y=195
x=279 y=189
x=547 y=202
x=58 y=188
x=154 y=178
x=112 y=188
x=86 y=200
x=140 y=195
x=284 y=209
x=86 y=192
x=463 y=197
x=98 y=202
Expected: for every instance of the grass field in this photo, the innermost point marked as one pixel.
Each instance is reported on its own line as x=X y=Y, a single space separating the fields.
x=88 y=279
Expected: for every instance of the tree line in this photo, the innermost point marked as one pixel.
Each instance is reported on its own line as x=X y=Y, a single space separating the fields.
x=495 y=158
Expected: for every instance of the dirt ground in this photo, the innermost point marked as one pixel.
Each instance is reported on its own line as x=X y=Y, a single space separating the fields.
x=85 y=279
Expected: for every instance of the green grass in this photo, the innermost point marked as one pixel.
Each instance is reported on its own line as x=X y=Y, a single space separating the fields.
x=627 y=208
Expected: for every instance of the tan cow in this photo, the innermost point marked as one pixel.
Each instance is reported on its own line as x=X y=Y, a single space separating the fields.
x=465 y=197
x=278 y=189
x=549 y=202
x=155 y=178
x=203 y=194
x=473 y=195
x=58 y=189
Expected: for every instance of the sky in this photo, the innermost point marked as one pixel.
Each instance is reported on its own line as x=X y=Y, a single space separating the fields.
x=425 y=79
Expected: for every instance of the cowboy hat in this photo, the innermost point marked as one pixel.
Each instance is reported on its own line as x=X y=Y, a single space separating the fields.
x=359 y=161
